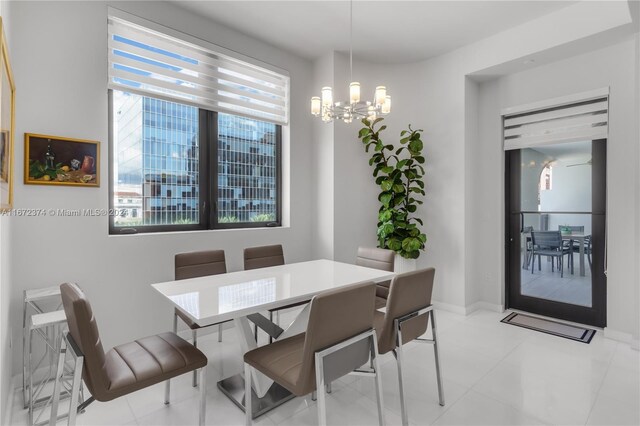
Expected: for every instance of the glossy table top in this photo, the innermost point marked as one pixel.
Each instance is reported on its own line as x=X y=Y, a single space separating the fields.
x=217 y=298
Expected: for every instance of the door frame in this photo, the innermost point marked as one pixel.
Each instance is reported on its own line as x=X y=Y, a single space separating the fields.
x=597 y=314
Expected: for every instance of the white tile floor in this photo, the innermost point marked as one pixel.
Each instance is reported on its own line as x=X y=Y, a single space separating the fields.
x=494 y=374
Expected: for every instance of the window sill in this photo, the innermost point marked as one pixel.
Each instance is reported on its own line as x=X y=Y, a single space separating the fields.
x=199 y=231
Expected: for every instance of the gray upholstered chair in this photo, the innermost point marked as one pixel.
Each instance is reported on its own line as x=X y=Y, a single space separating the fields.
x=193 y=265
x=405 y=320
x=263 y=257
x=338 y=340
x=125 y=368
x=377 y=258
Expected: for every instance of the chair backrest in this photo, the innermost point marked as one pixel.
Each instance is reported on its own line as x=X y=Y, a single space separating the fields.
x=199 y=264
x=409 y=292
x=262 y=257
x=84 y=330
x=377 y=258
x=547 y=239
x=335 y=316
x=576 y=228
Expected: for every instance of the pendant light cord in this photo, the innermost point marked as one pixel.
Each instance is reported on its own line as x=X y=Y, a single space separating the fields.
x=351 y=39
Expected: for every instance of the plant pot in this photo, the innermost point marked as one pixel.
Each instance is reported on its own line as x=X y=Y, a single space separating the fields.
x=402 y=264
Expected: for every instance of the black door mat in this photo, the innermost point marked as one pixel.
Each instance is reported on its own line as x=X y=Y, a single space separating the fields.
x=572 y=332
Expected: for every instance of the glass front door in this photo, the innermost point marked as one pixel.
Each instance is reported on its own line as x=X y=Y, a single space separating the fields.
x=556 y=231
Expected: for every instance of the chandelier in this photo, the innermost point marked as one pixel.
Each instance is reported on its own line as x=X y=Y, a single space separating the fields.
x=323 y=106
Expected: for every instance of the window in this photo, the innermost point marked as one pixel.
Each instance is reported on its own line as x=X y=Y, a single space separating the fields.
x=184 y=178
x=193 y=145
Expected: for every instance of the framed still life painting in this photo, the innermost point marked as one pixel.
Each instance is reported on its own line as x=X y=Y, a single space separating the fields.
x=7 y=111
x=54 y=160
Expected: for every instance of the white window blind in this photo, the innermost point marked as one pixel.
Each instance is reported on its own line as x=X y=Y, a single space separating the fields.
x=578 y=117
x=150 y=62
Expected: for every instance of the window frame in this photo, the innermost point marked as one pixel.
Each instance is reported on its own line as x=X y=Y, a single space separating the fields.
x=208 y=180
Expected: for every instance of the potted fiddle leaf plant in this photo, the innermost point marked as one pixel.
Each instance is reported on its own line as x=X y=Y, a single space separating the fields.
x=399 y=172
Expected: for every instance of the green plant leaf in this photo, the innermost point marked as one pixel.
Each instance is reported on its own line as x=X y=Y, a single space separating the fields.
x=411 y=244
x=386 y=185
x=385 y=198
x=405 y=140
x=415 y=145
x=419 y=159
x=411 y=208
x=363 y=132
x=398 y=188
x=387 y=169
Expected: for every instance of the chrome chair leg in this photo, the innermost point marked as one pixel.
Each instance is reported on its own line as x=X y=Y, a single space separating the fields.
x=175 y=322
x=320 y=387
x=378 y=378
x=167 y=391
x=203 y=394
x=399 y=359
x=194 y=334
x=328 y=387
x=219 y=333
x=436 y=355
x=270 y=319
x=314 y=396
x=75 y=391
x=248 y=411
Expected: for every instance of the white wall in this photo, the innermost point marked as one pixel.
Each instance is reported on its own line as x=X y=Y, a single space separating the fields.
x=61 y=78
x=5 y=269
x=464 y=207
x=572 y=75
x=323 y=167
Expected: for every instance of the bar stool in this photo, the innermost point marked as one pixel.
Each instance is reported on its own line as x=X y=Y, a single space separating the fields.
x=48 y=326
x=34 y=303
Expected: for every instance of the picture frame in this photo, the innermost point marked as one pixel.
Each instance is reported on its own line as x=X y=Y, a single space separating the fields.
x=55 y=160
x=7 y=124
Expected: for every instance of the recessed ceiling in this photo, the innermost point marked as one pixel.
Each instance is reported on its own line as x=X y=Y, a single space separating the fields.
x=567 y=153
x=384 y=31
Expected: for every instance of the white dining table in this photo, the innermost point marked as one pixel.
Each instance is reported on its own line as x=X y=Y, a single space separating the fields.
x=236 y=295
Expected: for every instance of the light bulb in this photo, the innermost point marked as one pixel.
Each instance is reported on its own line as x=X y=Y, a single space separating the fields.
x=381 y=94
x=315 y=106
x=386 y=106
x=327 y=96
x=354 y=92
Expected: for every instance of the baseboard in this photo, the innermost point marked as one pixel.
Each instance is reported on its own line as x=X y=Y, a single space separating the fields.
x=485 y=306
x=460 y=310
x=618 y=336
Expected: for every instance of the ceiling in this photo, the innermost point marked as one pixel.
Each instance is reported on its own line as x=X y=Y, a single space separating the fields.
x=389 y=31
x=567 y=153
